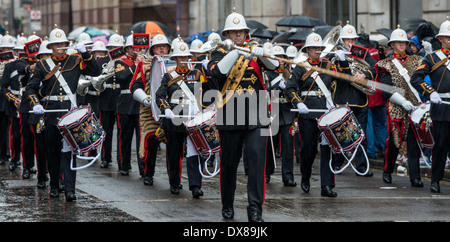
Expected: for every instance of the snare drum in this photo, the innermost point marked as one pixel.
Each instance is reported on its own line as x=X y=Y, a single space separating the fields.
x=418 y=118
x=81 y=129
x=341 y=129
x=203 y=133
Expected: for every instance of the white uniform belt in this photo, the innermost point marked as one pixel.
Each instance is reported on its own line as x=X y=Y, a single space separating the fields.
x=312 y=93
x=177 y=101
x=126 y=91
x=15 y=92
x=93 y=93
x=281 y=100
x=56 y=98
x=113 y=86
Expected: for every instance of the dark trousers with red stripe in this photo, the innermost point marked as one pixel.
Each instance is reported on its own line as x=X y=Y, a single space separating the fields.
x=107 y=119
x=285 y=141
x=232 y=142
x=127 y=125
x=441 y=148
x=150 y=160
x=174 y=155
x=310 y=136
x=28 y=141
x=15 y=139
x=412 y=152
x=40 y=143
x=4 y=135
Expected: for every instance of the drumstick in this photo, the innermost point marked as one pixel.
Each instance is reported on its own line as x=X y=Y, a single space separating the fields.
x=53 y=111
x=445 y=102
x=313 y=110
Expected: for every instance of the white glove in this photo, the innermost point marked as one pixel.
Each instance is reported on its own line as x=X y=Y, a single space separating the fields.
x=427 y=46
x=282 y=84
x=340 y=54
x=257 y=51
x=205 y=63
x=302 y=109
x=245 y=54
x=80 y=47
x=168 y=113
x=38 y=109
x=407 y=105
x=398 y=99
x=435 y=98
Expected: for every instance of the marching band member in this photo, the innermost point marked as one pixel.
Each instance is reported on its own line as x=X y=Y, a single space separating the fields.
x=127 y=107
x=391 y=71
x=108 y=101
x=40 y=134
x=313 y=93
x=239 y=73
x=436 y=65
x=358 y=101
x=11 y=79
x=177 y=91
x=25 y=67
x=150 y=136
x=277 y=83
x=59 y=90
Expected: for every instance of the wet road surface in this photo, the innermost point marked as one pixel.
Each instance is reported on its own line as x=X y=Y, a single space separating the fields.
x=103 y=195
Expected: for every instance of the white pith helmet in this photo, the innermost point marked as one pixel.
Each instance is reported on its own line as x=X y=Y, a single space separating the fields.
x=43 y=48
x=85 y=39
x=444 y=30
x=115 y=40
x=20 y=43
x=398 y=35
x=278 y=50
x=180 y=49
x=313 y=40
x=57 y=35
x=7 y=41
x=196 y=46
x=159 y=39
x=348 y=32
x=99 y=46
x=291 y=51
x=235 y=21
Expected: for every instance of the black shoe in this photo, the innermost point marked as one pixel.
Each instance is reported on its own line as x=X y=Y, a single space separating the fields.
x=416 y=183
x=305 y=186
x=2 y=161
x=124 y=172
x=25 y=174
x=148 y=181
x=387 y=178
x=54 y=192
x=104 y=164
x=434 y=188
x=267 y=178
x=70 y=196
x=12 y=165
x=228 y=213
x=254 y=216
x=174 y=190
x=327 y=192
x=290 y=183
x=41 y=185
x=369 y=174
x=197 y=192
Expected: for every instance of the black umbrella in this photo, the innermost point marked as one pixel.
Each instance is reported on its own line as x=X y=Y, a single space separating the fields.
x=253 y=24
x=386 y=32
x=262 y=34
x=300 y=21
x=301 y=35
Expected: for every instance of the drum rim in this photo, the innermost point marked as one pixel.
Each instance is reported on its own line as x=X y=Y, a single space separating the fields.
x=82 y=119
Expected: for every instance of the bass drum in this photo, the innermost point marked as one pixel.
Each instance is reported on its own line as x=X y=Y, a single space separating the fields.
x=160 y=66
